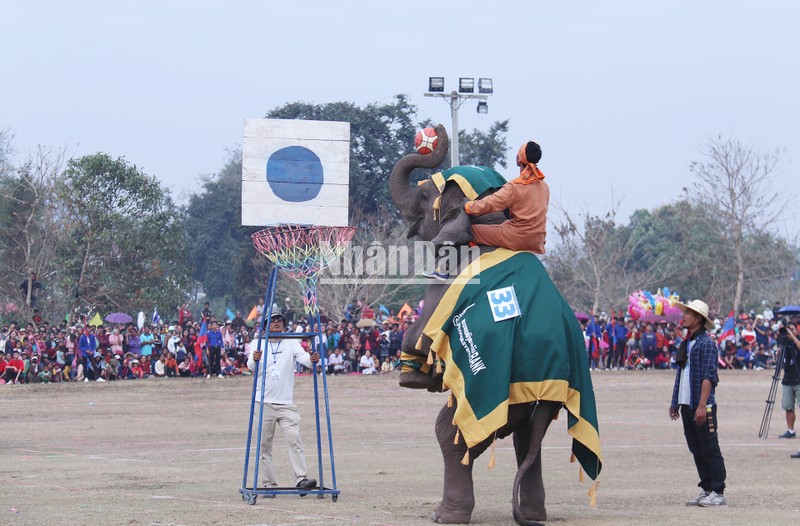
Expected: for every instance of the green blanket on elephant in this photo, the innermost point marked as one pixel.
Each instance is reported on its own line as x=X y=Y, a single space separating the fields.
x=507 y=336
x=473 y=180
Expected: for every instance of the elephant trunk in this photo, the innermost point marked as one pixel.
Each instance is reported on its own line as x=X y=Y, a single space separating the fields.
x=402 y=194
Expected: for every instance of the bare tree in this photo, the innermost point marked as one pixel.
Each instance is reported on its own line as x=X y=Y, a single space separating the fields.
x=28 y=237
x=6 y=151
x=591 y=264
x=736 y=180
x=376 y=268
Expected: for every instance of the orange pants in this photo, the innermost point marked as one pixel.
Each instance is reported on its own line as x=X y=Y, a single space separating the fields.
x=508 y=235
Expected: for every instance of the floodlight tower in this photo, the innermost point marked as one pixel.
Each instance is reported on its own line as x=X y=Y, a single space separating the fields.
x=466 y=90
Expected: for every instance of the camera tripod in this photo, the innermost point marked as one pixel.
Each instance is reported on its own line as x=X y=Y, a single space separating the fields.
x=763 y=432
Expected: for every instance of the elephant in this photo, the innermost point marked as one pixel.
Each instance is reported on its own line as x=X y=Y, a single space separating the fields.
x=435 y=212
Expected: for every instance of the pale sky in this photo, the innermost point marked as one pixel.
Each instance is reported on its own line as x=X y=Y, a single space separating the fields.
x=621 y=95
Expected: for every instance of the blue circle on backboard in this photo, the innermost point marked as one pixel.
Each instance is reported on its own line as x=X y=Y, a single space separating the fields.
x=295 y=174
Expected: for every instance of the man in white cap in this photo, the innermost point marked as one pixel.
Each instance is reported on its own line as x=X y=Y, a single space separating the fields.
x=693 y=402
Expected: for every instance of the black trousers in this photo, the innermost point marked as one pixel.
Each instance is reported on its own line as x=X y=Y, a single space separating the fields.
x=704 y=446
x=214 y=355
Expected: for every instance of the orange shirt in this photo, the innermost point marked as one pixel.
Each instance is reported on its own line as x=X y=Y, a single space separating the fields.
x=527 y=204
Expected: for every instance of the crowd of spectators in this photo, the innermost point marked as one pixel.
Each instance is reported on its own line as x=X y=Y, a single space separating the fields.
x=622 y=343
x=40 y=352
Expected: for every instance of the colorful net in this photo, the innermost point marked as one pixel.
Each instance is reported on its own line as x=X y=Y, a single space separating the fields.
x=302 y=252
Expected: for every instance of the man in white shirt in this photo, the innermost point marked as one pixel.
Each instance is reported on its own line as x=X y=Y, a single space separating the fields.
x=367 y=364
x=275 y=389
x=336 y=362
x=172 y=342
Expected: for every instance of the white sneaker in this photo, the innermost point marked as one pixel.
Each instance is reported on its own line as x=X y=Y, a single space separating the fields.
x=713 y=499
x=208 y=376
x=269 y=486
x=220 y=376
x=85 y=379
x=696 y=501
x=99 y=380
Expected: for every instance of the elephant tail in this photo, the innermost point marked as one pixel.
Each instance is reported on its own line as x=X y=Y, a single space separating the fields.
x=527 y=463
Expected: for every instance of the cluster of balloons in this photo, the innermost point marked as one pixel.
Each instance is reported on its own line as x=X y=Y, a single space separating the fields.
x=662 y=303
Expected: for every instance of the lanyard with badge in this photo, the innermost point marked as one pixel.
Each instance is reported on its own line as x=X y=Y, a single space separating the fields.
x=275 y=351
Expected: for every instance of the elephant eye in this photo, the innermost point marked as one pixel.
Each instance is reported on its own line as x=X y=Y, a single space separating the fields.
x=450 y=214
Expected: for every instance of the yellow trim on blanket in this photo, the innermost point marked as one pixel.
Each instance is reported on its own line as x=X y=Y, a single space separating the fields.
x=438 y=180
x=465 y=186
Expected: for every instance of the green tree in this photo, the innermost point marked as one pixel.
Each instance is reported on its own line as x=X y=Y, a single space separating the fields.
x=686 y=242
x=123 y=246
x=220 y=249
x=485 y=148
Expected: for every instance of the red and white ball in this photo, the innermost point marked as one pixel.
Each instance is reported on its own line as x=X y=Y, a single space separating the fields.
x=426 y=140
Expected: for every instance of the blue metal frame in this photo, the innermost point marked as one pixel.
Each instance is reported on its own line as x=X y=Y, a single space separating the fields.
x=250 y=493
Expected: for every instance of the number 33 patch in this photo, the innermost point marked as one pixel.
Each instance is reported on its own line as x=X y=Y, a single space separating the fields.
x=503 y=303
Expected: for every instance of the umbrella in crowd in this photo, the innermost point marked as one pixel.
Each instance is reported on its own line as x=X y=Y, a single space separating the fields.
x=118 y=317
x=365 y=322
x=582 y=316
x=96 y=320
x=789 y=310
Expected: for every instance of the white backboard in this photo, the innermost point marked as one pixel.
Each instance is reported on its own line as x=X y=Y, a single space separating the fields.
x=295 y=172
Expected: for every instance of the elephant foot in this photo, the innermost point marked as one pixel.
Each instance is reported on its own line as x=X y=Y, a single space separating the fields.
x=531 y=514
x=415 y=380
x=533 y=511
x=446 y=515
x=529 y=520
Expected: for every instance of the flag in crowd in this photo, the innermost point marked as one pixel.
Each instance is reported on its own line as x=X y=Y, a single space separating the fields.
x=202 y=339
x=728 y=329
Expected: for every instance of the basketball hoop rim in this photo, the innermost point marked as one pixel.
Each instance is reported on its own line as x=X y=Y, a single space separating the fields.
x=303 y=249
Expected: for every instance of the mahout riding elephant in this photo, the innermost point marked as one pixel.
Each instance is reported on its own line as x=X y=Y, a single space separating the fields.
x=503 y=341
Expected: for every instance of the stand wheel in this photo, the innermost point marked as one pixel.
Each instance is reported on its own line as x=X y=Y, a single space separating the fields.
x=251 y=499
x=334 y=497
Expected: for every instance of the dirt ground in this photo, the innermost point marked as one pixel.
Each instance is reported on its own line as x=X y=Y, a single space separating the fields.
x=157 y=452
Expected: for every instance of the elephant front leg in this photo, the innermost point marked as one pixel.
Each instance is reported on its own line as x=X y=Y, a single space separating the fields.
x=458 y=499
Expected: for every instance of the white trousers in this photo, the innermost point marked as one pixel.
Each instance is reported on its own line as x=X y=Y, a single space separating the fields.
x=287 y=417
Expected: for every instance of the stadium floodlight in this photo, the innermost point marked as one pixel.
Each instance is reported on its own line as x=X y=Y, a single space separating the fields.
x=466 y=85
x=436 y=84
x=466 y=90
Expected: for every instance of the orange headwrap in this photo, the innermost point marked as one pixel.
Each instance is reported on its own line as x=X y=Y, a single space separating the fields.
x=530 y=172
